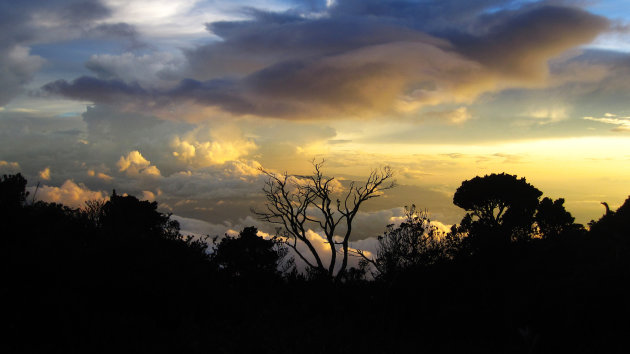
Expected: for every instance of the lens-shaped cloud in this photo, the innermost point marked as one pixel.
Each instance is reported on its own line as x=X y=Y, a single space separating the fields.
x=353 y=61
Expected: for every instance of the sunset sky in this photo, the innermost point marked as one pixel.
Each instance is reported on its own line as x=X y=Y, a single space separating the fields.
x=181 y=101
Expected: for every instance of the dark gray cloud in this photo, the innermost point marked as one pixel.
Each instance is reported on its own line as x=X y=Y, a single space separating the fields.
x=118 y=30
x=27 y=23
x=359 y=58
x=520 y=45
x=97 y=90
x=84 y=11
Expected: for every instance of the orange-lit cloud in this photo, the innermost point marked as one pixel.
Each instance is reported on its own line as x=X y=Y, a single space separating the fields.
x=225 y=145
x=70 y=194
x=100 y=175
x=45 y=174
x=134 y=164
x=9 y=166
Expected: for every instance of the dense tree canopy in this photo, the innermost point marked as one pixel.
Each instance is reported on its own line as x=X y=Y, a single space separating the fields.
x=498 y=198
x=498 y=201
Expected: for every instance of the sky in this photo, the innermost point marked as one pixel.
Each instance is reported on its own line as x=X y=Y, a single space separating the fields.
x=183 y=101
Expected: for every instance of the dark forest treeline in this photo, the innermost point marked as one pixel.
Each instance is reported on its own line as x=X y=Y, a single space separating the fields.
x=117 y=276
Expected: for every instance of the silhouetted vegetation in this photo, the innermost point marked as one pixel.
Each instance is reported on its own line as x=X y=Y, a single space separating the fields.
x=251 y=257
x=516 y=276
x=413 y=244
x=298 y=204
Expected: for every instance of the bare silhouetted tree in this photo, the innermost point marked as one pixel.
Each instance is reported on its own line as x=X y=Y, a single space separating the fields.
x=298 y=202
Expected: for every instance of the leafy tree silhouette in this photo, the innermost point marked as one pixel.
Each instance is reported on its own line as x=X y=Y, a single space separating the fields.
x=250 y=256
x=498 y=203
x=554 y=220
x=127 y=216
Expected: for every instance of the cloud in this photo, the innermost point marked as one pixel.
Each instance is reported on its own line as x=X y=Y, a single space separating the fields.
x=518 y=44
x=17 y=68
x=201 y=228
x=227 y=144
x=35 y=22
x=134 y=165
x=233 y=179
x=159 y=69
x=100 y=175
x=45 y=174
x=359 y=59
x=148 y=195
x=70 y=194
x=9 y=167
x=622 y=123
x=549 y=114
x=454 y=117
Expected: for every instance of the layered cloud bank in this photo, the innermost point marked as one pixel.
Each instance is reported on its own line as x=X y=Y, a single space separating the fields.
x=347 y=59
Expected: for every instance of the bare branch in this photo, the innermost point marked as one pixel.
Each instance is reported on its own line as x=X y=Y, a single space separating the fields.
x=291 y=203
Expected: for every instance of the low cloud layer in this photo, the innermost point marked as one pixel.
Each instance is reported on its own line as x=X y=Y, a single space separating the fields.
x=622 y=124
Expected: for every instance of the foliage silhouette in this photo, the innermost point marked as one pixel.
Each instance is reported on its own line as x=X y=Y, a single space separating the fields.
x=414 y=243
x=127 y=216
x=615 y=224
x=251 y=256
x=553 y=220
x=498 y=201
